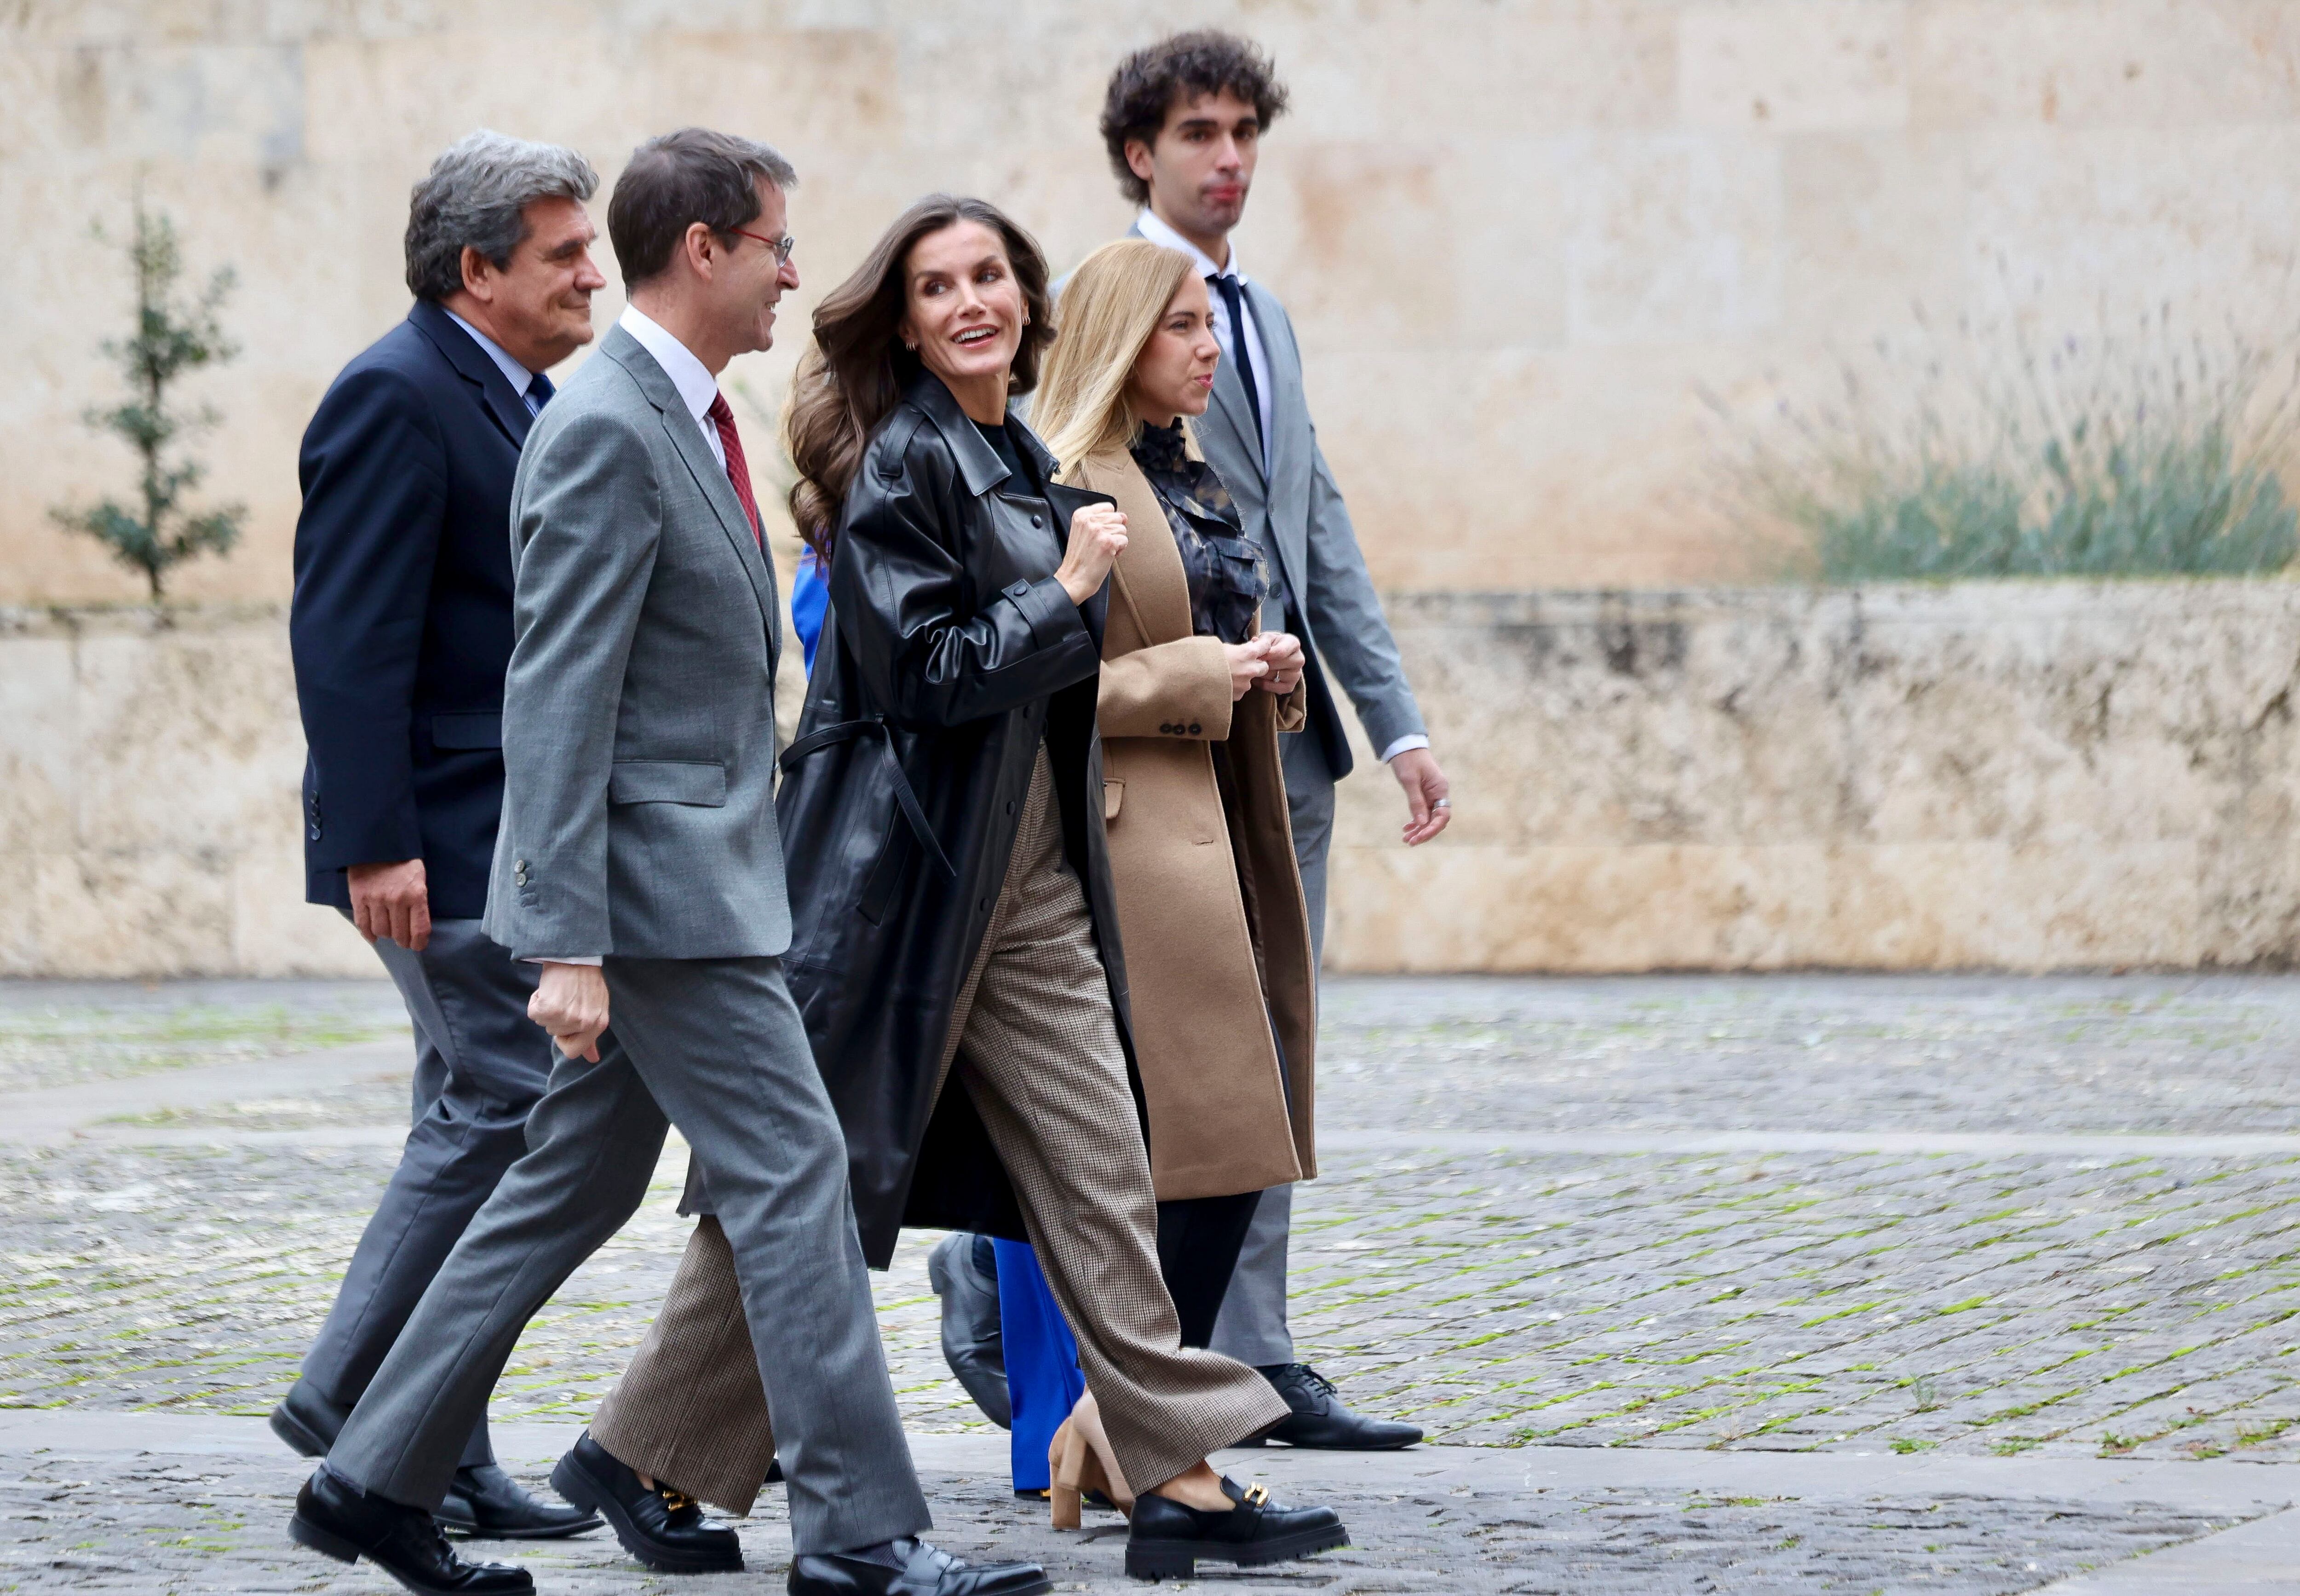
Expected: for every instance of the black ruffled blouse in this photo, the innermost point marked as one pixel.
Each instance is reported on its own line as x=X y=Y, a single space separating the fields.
x=1224 y=565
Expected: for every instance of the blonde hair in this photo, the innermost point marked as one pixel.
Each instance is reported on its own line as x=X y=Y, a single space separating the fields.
x=1109 y=309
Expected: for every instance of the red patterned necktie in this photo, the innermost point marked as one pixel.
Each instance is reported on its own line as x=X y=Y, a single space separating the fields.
x=737 y=472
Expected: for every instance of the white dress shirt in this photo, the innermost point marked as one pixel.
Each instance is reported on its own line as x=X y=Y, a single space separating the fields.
x=688 y=375
x=697 y=387
x=1152 y=226
x=521 y=380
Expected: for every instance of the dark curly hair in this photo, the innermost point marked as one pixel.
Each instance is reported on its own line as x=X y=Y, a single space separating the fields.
x=1147 y=83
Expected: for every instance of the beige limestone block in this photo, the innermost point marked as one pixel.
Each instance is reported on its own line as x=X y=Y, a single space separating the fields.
x=412 y=97
x=20 y=927
x=1674 y=236
x=273 y=930
x=189 y=737
x=1462 y=70
x=2143 y=63
x=2087 y=231
x=821 y=96
x=1795 y=66
x=1874 y=226
x=134 y=912
x=38 y=763
x=1566 y=909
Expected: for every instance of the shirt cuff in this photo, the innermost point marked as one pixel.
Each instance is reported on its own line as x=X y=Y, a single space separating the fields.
x=1410 y=740
x=590 y=959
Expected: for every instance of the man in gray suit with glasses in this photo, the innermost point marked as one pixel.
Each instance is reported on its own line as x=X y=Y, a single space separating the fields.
x=1182 y=121
x=638 y=864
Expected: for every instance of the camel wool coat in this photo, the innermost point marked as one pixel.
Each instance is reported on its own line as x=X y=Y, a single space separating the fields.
x=1210 y=906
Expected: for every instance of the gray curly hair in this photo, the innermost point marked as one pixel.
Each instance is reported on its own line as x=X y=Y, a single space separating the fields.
x=476 y=196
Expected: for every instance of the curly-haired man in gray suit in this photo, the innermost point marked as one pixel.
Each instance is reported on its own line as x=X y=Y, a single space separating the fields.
x=1182 y=121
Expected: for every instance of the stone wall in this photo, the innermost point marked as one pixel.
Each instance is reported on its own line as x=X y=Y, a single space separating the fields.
x=1517 y=236
x=2023 y=776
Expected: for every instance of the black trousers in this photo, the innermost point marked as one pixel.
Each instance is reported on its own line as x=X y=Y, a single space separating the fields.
x=1199 y=1241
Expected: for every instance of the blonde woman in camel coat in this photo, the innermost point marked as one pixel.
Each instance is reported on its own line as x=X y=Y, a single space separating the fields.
x=1194 y=695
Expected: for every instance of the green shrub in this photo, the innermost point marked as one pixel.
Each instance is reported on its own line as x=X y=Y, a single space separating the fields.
x=175 y=336
x=2143 y=455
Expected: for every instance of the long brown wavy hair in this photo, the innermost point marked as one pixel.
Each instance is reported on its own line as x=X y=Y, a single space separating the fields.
x=856 y=370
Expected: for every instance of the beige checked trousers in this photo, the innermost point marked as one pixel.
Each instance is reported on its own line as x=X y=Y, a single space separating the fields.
x=1037 y=1048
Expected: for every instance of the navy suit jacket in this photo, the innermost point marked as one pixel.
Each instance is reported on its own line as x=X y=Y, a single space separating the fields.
x=400 y=626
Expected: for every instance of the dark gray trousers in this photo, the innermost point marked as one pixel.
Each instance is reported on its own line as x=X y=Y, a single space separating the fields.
x=480 y=1065
x=716 y=1047
x=1253 y=1327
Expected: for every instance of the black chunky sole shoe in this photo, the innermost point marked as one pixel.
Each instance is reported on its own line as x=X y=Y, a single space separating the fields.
x=579 y=1486
x=1169 y=1541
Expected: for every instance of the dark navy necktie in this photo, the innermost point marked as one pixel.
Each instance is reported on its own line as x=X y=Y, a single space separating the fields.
x=538 y=392
x=1234 y=302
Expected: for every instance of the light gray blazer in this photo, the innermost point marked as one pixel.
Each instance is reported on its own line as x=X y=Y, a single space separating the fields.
x=638 y=715
x=1297 y=513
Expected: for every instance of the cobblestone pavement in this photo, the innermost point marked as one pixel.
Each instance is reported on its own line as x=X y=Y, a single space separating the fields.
x=58 y=1033
x=1953 y=1302
x=186 y=1525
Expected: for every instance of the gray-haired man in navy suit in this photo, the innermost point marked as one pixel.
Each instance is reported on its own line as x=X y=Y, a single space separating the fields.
x=401 y=628
x=1182 y=121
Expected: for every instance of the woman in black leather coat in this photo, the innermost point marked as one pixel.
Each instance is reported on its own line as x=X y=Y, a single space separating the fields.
x=950 y=893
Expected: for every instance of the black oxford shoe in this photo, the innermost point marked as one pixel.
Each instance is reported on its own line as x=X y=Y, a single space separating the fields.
x=488 y=1503
x=661 y=1528
x=337 y=1521
x=307 y=1424
x=926 y=1571
x=1322 y=1419
x=1167 y=1538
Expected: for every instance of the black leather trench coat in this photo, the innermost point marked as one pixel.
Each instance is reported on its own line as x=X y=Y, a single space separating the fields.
x=948 y=653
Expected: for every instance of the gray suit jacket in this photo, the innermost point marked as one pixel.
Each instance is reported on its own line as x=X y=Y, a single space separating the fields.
x=1296 y=511
x=639 y=714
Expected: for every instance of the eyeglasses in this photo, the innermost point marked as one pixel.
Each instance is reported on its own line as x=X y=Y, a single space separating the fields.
x=782 y=247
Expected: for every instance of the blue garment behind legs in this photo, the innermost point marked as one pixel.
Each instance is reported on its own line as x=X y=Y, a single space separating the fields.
x=1043 y=1381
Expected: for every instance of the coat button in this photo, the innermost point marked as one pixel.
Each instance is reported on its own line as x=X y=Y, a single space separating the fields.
x=1194 y=729
x=1166 y=727
x=313 y=834
x=1010 y=809
x=1037 y=521
x=983 y=904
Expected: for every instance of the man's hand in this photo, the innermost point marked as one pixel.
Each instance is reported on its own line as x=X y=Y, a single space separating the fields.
x=1417 y=772
x=1286 y=662
x=570 y=1002
x=392 y=901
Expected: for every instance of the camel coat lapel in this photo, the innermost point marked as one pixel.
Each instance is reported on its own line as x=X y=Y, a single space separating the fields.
x=1210 y=905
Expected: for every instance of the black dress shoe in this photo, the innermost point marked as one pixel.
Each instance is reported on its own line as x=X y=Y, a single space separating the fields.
x=337 y=1521
x=1322 y=1419
x=926 y=1571
x=661 y=1528
x=307 y=1425
x=1167 y=1538
x=487 y=1502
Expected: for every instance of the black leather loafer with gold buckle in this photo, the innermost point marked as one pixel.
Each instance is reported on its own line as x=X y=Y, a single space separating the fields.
x=1169 y=1539
x=656 y=1525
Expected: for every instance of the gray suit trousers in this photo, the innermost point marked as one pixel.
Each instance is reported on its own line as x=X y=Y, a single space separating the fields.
x=1253 y=1326
x=716 y=1047
x=480 y=1064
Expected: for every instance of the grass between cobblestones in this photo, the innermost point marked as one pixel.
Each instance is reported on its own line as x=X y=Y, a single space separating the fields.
x=2134 y=1307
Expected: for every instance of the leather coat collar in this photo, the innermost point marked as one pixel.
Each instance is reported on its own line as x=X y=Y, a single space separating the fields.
x=979 y=464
